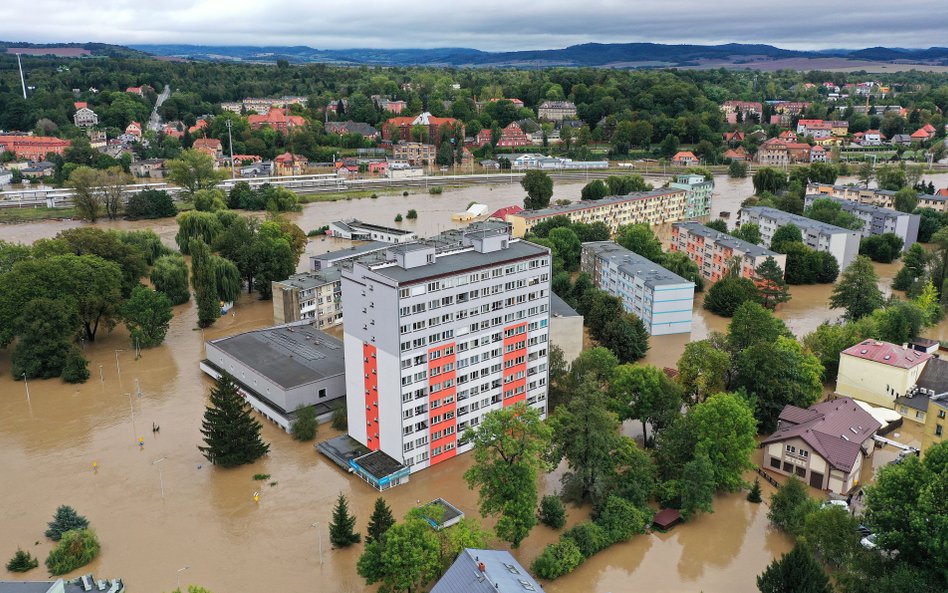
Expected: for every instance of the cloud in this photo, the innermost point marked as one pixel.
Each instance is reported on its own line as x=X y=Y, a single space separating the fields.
x=494 y=25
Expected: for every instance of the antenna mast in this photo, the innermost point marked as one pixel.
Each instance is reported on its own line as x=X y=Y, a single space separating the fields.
x=22 y=80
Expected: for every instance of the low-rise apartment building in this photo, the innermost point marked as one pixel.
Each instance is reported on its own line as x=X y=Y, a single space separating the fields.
x=556 y=110
x=662 y=299
x=713 y=251
x=414 y=153
x=876 y=219
x=879 y=373
x=316 y=296
x=843 y=244
x=652 y=207
x=699 y=191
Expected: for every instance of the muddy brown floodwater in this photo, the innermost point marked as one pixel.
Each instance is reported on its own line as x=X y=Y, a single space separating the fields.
x=156 y=517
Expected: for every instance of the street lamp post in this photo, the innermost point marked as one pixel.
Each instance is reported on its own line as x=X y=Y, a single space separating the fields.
x=177 y=577
x=27 y=385
x=319 y=541
x=161 y=479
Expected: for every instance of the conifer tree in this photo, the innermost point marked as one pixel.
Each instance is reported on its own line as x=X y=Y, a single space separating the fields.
x=231 y=433
x=771 y=285
x=795 y=572
x=380 y=521
x=22 y=562
x=754 y=494
x=342 y=529
x=65 y=519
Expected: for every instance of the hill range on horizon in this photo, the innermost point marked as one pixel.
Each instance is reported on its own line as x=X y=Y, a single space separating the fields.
x=602 y=55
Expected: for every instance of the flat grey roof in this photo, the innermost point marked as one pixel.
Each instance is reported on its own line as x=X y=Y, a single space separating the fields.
x=725 y=239
x=801 y=221
x=586 y=204
x=356 y=224
x=632 y=264
x=560 y=308
x=351 y=251
x=850 y=205
x=313 y=279
x=289 y=355
x=450 y=263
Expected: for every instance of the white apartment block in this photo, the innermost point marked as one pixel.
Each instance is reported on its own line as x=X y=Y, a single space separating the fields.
x=652 y=207
x=439 y=334
x=843 y=244
x=877 y=220
x=714 y=251
x=662 y=299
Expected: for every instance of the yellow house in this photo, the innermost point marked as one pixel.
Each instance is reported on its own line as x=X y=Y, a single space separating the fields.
x=828 y=141
x=936 y=424
x=879 y=372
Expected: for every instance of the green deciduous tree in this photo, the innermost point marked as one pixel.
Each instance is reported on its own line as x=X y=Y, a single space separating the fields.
x=828 y=340
x=794 y=572
x=724 y=429
x=697 y=486
x=404 y=559
x=753 y=324
x=645 y=393
x=231 y=433
x=768 y=179
x=147 y=315
x=750 y=232
x=728 y=293
x=552 y=513
x=539 y=188
x=858 y=291
x=169 y=275
x=906 y=199
x=790 y=505
x=304 y=426
x=508 y=454
x=595 y=190
x=641 y=239
x=883 y=248
x=193 y=170
x=830 y=533
x=557 y=559
x=342 y=532
x=150 y=203
x=703 y=369
x=788 y=233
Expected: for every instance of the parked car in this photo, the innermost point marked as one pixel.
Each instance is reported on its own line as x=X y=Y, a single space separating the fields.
x=835 y=503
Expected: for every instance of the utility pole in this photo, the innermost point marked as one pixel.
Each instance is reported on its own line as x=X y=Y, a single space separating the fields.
x=319 y=539
x=161 y=479
x=22 y=80
x=231 y=139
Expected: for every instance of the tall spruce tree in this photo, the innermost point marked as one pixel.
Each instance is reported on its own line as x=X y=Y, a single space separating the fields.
x=771 y=285
x=65 y=519
x=342 y=529
x=380 y=522
x=231 y=433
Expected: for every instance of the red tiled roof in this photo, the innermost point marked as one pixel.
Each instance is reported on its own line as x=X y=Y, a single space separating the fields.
x=80 y=104
x=503 y=212
x=684 y=155
x=929 y=128
x=887 y=354
x=835 y=429
x=921 y=133
x=942 y=192
x=211 y=143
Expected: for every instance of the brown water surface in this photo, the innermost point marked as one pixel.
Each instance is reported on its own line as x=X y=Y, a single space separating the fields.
x=207 y=519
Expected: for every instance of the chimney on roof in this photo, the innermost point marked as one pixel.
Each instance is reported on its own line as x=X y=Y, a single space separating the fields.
x=481 y=567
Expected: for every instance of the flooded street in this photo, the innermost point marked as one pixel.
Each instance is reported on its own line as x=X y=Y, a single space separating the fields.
x=206 y=518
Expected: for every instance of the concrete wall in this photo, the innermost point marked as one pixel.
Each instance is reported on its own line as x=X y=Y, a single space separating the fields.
x=672 y=309
x=567 y=334
x=868 y=381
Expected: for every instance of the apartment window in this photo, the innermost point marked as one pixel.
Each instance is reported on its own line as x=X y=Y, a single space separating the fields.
x=321 y=393
x=791 y=449
x=938 y=429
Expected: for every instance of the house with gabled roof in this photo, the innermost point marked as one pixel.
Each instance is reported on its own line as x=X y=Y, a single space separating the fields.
x=879 y=372
x=684 y=159
x=486 y=571
x=824 y=445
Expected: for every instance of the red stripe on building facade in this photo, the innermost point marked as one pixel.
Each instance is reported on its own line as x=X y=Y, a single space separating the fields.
x=370 y=368
x=514 y=384
x=442 y=403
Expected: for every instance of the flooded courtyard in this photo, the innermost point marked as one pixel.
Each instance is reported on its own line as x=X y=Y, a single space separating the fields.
x=161 y=508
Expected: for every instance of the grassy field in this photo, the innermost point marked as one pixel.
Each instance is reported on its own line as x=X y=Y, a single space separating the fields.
x=14 y=215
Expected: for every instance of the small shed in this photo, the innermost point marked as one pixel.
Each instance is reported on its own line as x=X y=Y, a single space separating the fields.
x=666 y=518
x=441 y=514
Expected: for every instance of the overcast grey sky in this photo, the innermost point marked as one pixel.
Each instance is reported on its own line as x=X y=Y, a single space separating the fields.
x=494 y=25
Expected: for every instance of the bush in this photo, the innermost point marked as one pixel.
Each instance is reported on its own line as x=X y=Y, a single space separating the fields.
x=398 y=217
x=790 y=505
x=75 y=367
x=412 y=214
x=65 y=519
x=339 y=419
x=436 y=190
x=620 y=519
x=150 y=203
x=261 y=477
x=882 y=248
x=405 y=193
x=552 y=513
x=589 y=538
x=737 y=169
x=557 y=559
x=76 y=548
x=304 y=427
x=22 y=562
x=374 y=196
x=729 y=293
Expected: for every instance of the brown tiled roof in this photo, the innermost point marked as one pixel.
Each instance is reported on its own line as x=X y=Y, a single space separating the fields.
x=835 y=429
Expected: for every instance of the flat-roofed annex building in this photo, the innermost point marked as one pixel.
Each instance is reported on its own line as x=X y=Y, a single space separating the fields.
x=713 y=251
x=440 y=333
x=876 y=220
x=278 y=369
x=662 y=299
x=843 y=244
x=652 y=207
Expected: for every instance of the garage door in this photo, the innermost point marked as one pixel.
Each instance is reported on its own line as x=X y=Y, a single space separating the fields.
x=816 y=480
